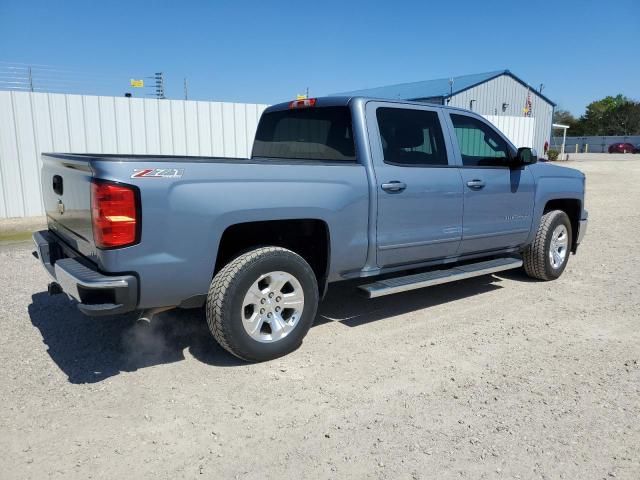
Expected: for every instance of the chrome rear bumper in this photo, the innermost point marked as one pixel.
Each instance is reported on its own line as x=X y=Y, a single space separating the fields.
x=96 y=293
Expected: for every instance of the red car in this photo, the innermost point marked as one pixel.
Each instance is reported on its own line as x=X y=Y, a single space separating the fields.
x=622 y=148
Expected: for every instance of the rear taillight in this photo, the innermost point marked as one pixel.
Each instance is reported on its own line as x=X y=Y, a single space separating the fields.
x=115 y=214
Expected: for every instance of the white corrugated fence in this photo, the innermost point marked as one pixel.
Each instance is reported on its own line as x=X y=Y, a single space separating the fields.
x=31 y=123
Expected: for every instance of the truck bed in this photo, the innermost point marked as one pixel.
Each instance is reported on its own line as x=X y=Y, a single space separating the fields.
x=185 y=211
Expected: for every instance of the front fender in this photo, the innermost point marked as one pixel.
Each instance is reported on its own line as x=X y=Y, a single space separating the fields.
x=555 y=183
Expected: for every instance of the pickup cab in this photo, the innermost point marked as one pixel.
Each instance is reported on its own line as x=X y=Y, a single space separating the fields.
x=336 y=188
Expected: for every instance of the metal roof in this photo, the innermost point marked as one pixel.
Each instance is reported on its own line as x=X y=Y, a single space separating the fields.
x=436 y=88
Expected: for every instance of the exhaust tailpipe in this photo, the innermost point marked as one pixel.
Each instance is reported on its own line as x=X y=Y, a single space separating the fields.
x=54 y=288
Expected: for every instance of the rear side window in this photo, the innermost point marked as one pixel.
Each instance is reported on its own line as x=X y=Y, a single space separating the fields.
x=322 y=133
x=411 y=137
x=480 y=145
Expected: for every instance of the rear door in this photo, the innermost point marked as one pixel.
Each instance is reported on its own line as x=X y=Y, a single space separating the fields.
x=498 y=199
x=419 y=188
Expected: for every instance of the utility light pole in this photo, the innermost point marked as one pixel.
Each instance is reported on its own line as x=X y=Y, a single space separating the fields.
x=186 y=90
x=30 y=80
x=159 y=78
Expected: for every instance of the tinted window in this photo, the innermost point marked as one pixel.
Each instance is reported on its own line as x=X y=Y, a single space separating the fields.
x=322 y=133
x=480 y=145
x=411 y=137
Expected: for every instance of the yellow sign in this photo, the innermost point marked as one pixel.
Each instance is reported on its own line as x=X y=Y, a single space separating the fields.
x=137 y=83
x=301 y=96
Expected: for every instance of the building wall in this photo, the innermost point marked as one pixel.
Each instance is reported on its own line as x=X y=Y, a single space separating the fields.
x=31 y=123
x=490 y=96
x=520 y=130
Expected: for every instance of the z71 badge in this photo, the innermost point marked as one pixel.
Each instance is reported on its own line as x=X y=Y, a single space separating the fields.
x=157 y=173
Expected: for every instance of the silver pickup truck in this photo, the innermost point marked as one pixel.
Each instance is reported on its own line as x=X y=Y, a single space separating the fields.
x=336 y=188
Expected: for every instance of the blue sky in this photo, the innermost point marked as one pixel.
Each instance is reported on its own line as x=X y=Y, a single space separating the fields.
x=267 y=51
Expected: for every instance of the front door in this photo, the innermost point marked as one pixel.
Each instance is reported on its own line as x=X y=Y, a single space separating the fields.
x=498 y=199
x=419 y=190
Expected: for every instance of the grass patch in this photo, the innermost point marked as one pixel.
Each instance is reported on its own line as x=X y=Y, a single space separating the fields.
x=15 y=237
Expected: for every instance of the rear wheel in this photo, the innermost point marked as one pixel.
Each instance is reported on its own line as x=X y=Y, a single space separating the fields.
x=547 y=257
x=262 y=304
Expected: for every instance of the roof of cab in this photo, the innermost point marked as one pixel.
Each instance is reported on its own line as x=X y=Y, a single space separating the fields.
x=334 y=101
x=346 y=100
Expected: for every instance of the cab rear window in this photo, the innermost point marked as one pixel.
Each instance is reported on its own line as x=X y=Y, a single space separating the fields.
x=323 y=134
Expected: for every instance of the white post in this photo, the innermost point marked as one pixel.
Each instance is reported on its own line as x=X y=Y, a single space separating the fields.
x=564 y=139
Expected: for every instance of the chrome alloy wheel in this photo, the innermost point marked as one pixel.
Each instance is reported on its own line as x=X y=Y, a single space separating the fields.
x=559 y=246
x=272 y=306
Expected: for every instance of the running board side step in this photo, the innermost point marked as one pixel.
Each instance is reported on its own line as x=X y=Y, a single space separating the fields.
x=437 y=277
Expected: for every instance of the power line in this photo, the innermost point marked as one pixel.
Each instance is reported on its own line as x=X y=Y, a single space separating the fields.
x=58 y=69
x=25 y=64
x=41 y=77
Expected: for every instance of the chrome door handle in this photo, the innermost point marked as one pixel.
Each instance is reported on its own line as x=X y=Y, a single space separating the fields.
x=393 y=186
x=475 y=184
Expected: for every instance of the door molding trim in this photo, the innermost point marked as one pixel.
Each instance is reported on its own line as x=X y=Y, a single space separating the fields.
x=494 y=234
x=418 y=244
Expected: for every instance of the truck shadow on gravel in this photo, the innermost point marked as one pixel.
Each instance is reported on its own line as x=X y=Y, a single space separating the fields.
x=90 y=350
x=344 y=303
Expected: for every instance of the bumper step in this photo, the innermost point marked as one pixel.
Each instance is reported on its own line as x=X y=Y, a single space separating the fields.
x=96 y=293
x=437 y=277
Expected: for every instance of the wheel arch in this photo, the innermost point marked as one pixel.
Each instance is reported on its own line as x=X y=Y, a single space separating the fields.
x=573 y=208
x=308 y=237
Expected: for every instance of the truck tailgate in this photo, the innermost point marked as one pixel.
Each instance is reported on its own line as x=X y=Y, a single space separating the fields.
x=66 y=190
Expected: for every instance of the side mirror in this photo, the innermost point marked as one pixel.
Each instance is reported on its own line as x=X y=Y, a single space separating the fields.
x=526 y=156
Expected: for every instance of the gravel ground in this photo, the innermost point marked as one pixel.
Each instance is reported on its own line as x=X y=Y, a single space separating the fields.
x=494 y=377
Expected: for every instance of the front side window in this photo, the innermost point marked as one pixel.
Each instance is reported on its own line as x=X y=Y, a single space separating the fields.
x=480 y=145
x=411 y=137
x=322 y=133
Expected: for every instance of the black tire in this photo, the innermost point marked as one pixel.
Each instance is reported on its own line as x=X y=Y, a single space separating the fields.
x=226 y=296
x=537 y=263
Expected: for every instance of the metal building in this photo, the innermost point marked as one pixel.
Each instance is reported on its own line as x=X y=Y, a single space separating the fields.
x=498 y=93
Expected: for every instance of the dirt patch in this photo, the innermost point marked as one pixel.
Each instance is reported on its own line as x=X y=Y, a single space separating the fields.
x=493 y=377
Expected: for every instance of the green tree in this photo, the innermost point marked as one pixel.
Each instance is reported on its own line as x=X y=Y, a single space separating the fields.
x=617 y=115
x=564 y=117
x=626 y=119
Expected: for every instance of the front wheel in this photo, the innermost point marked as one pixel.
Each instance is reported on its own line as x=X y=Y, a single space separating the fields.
x=262 y=304
x=547 y=257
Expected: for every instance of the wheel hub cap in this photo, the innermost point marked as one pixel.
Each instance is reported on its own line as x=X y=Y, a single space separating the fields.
x=559 y=246
x=272 y=306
